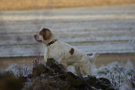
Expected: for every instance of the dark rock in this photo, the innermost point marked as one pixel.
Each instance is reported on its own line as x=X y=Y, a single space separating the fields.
x=58 y=68
x=104 y=84
x=52 y=67
x=53 y=76
x=91 y=80
x=61 y=79
x=73 y=80
x=9 y=82
x=101 y=83
x=38 y=70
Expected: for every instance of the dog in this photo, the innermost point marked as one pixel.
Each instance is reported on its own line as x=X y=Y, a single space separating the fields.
x=66 y=54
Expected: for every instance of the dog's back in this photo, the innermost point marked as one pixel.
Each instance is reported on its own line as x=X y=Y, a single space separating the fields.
x=63 y=52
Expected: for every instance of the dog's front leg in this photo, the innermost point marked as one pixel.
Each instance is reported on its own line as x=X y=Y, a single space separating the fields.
x=64 y=65
x=62 y=61
x=78 y=70
x=46 y=55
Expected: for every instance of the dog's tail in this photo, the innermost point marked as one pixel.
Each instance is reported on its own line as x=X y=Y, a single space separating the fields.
x=93 y=57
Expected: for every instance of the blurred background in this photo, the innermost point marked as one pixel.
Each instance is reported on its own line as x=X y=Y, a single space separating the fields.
x=104 y=26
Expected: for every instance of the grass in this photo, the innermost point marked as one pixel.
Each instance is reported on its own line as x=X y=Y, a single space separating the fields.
x=121 y=75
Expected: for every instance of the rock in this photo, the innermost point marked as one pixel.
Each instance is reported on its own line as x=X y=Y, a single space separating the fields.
x=9 y=82
x=55 y=65
x=52 y=76
x=91 y=80
x=38 y=70
x=52 y=67
x=56 y=77
x=105 y=84
x=73 y=80
x=101 y=83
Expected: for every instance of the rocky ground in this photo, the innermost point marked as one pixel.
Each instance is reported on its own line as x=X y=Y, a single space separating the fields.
x=51 y=76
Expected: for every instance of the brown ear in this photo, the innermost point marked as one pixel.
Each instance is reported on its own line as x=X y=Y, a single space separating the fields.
x=45 y=33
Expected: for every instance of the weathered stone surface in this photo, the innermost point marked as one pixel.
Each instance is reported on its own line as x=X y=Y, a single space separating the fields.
x=38 y=70
x=9 y=82
x=101 y=83
x=55 y=65
x=56 y=77
x=52 y=76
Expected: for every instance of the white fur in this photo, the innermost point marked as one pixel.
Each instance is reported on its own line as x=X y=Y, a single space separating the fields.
x=61 y=51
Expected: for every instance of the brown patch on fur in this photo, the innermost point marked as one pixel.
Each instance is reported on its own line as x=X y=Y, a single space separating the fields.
x=46 y=33
x=72 y=51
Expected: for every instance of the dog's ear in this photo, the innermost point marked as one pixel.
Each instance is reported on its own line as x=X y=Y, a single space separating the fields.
x=45 y=33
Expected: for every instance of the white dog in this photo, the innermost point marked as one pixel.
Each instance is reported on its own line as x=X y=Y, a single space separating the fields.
x=65 y=53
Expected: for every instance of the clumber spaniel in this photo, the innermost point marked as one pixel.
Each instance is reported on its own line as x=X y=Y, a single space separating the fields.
x=66 y=54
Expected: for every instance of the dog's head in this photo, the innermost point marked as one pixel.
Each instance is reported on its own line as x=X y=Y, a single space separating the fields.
x=44 y=35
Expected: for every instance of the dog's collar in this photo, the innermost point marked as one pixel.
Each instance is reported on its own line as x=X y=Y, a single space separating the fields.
x=51 y=42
